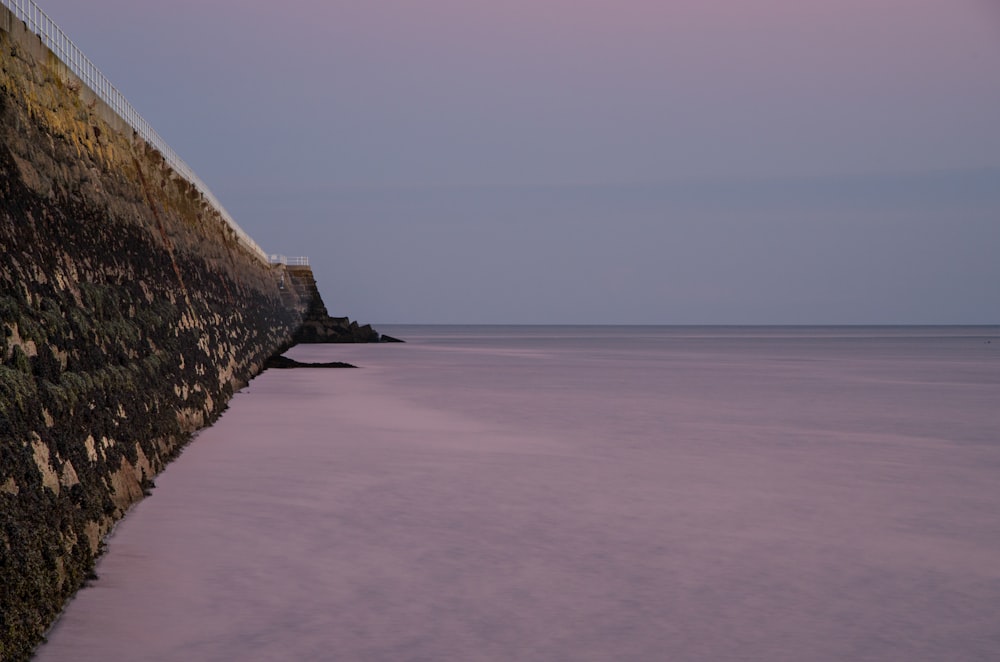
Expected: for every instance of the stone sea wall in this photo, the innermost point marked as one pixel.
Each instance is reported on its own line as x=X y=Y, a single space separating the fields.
x=129 y=314
x=317 y=325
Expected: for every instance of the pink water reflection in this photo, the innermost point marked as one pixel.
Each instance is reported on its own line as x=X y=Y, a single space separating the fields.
x=578 y=499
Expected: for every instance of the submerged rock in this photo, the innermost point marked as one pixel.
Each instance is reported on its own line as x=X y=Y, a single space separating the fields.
x=285 y=362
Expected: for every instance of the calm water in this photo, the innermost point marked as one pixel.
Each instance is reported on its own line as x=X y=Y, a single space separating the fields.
x=546 y=493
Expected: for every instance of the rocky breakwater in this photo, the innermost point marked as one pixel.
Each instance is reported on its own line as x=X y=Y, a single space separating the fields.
x=129 y=314
x=317 y=325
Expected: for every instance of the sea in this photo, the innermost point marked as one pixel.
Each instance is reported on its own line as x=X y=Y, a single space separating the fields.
x=576 y=493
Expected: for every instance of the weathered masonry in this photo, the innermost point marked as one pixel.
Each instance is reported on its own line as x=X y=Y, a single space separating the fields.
x=131 y=308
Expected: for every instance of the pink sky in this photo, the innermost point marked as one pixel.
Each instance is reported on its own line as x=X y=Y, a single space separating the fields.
x=647 y=90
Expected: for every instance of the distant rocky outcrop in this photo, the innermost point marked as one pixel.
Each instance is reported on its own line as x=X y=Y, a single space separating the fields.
x=317 y=325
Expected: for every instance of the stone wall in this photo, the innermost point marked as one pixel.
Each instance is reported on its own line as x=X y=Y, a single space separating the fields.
x=129 y=314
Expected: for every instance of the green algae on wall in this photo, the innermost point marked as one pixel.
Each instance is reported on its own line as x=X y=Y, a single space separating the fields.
x=129 y=314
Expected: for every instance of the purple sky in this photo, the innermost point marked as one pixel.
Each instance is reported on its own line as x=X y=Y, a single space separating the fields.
x=590 y=161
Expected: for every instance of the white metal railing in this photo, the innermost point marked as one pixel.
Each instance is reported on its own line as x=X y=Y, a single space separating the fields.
x=74 y=59
x=288 y=261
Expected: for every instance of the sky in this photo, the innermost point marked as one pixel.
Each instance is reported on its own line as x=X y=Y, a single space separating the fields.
x=590 y=161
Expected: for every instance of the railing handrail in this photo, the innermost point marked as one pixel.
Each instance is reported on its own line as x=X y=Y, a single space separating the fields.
x=288 y=261
x=74 y=59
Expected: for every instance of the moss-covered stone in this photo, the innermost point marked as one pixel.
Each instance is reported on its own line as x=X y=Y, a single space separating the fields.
x=129 y=315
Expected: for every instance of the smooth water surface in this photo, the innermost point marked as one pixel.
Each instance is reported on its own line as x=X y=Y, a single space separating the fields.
x=577 y=493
